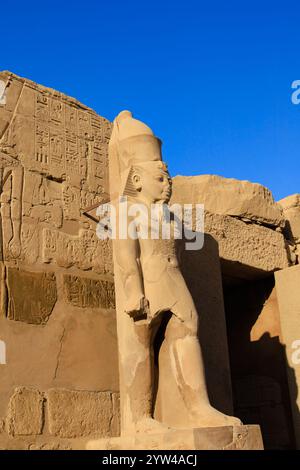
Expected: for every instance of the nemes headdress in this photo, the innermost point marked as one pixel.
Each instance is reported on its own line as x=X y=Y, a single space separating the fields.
x=132 y=145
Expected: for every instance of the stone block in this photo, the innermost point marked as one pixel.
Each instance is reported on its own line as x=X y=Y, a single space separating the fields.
x=221 y=438
x=247 y=251
x=291 y=210
x=79 y=413
x=229 y=196
x=25 y=412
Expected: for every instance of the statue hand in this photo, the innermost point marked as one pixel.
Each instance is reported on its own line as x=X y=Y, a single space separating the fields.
x=137 y=308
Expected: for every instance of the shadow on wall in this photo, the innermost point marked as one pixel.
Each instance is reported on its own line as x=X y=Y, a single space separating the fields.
x=258 y=362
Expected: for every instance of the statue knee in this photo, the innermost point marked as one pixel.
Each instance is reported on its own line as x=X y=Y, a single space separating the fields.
x=178 y=328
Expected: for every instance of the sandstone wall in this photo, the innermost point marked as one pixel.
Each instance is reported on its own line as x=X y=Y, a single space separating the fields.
x=288 y=292
x=57 y=315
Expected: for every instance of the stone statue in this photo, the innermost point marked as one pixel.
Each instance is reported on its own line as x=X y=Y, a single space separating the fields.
x=151 y=292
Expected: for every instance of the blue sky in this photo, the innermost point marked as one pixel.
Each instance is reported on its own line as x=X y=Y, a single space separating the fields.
x=213 y=79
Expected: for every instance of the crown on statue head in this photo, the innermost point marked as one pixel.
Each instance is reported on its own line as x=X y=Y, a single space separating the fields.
x=135 y=146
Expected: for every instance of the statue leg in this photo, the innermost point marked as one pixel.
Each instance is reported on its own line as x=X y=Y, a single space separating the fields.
x=136 y=364
x=188 y=369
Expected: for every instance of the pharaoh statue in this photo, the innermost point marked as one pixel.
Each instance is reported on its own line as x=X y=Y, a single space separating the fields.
x=151 y=291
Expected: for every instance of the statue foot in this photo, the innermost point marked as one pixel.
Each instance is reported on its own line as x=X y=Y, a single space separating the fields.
x=210 y=417
x=150 y=426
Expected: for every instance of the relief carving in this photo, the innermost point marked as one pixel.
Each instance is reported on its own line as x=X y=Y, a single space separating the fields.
x=63 y=149
x=53 y=166
x=84 y=292
x=32 y=296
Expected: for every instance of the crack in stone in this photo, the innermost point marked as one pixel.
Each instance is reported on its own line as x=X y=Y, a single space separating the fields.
x=112 y=414
x=59 y=352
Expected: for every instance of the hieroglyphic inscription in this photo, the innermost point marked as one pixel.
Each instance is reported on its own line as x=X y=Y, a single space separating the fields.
x=32 y=296
x=84 y=292
x=42 y=143
x=42 y=112
x=57 y=112
x=84 y=251
x=71 y=117
x=72 y=157
x=61 y=146
x=57 y=151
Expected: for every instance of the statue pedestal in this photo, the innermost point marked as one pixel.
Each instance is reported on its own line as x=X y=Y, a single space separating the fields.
x=221 y=438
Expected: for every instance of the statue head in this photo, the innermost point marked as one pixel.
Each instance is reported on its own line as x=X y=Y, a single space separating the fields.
x=149 y=182
x=136 y=161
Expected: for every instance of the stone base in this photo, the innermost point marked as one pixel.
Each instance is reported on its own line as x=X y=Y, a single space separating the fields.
x=221 y=438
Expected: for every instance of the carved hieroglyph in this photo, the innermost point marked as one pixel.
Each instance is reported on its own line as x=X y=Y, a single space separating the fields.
x=53 y=167
x=84 y=292
x=153 y=302
x=32 y=296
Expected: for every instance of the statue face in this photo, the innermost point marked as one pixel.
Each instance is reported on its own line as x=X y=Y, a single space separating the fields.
x=153 y=185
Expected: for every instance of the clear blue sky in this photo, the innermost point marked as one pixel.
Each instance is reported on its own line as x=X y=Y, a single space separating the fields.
x=212 y=78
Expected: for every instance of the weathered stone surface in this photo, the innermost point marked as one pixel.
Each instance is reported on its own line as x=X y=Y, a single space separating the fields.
x=50 y=446
x=32 y=295
x=220 y=438
x=79 y=413
x=288 y=294
x=235 y=215
x=69 y=351
x=25 y=412
x=291 y=210
x=53 y=166
x=228 y=196
x=116 y=419
x=247 y=247
x=85 y=292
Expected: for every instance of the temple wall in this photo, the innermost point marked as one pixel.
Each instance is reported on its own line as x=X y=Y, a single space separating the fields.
x=58 y=341
x=57 y=317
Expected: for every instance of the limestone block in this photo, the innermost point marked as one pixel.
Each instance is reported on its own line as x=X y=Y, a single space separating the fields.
x=32 y=295
x=291 y=209
x=25 y=412
x=228 y=196
x=220 y=438
x=247 y=247
x=242 y=217
x=79 y=413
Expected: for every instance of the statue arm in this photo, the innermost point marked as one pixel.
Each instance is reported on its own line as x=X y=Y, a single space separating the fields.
x=127 y=254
